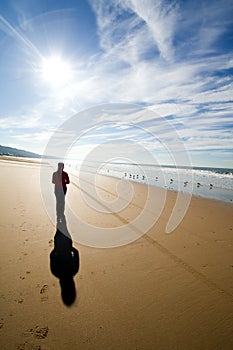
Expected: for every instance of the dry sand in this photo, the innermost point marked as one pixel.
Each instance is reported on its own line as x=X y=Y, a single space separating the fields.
x=160 y=292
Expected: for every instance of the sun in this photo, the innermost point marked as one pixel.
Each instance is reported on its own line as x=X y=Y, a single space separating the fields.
x=55 y=71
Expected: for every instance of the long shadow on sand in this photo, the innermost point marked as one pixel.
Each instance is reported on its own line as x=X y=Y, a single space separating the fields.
x=64 y=263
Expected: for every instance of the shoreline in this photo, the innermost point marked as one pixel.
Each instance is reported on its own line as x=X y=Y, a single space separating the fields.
x=37 y=161
x=230 y=202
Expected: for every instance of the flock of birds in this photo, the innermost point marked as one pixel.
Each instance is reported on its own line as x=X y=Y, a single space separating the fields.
x=137 y=177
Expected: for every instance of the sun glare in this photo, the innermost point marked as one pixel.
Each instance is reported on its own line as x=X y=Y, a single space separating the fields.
x=55 y=71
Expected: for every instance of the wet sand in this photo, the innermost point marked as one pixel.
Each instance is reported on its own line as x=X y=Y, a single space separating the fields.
x=162 y=291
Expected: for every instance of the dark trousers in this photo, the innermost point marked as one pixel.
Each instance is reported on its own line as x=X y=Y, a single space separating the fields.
x=60 y=205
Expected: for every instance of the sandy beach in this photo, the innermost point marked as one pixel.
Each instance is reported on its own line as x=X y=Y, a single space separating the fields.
x=162 y=291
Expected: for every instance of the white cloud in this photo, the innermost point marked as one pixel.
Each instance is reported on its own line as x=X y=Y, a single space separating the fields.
x=160 y=18
x=155 y=53
x=36 y=137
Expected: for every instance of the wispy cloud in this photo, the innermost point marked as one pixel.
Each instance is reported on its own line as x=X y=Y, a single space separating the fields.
x=174 y=58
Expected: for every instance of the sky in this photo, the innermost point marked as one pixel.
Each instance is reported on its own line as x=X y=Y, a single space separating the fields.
x=162 y=69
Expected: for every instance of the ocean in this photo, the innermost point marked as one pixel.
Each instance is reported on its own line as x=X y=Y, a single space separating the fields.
x=214 y=183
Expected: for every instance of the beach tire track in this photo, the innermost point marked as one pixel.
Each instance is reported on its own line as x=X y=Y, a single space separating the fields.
x=106 y=191
x=123 y=220
x=197 y=274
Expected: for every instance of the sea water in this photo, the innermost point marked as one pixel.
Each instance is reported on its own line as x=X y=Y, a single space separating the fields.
x=215 y=183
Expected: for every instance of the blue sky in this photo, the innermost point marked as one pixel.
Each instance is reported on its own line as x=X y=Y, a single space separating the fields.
x=174 y=58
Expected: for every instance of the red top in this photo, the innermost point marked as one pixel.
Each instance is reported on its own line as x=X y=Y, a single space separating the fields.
x=60 y=181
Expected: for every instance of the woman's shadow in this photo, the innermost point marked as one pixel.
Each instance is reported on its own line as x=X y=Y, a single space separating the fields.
x=64 y=262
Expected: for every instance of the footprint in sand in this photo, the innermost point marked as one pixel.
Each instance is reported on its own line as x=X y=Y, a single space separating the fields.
x=38 y=332
x=43 y=292
x=1 y=323
x=20 y=300
x=28 y=346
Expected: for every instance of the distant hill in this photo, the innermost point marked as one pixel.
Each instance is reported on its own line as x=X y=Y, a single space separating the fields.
x=10 y=151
